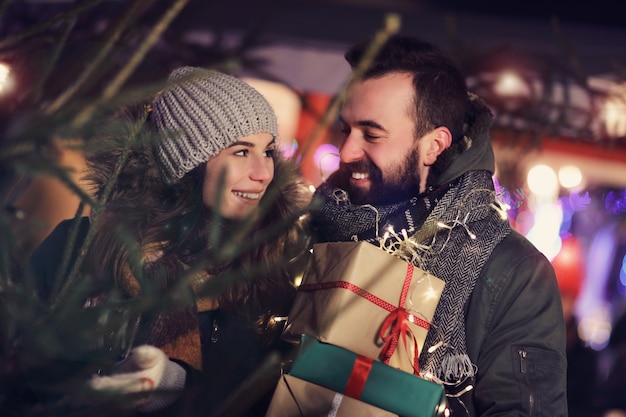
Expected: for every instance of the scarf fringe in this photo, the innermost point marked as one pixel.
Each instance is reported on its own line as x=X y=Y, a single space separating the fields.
x=456 y=368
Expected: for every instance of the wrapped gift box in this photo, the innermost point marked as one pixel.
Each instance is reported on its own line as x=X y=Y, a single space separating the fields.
x=295 y=397
x=352 y=290
x=369 y=381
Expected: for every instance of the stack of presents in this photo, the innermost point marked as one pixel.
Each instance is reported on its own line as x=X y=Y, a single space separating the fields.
x=360 y=319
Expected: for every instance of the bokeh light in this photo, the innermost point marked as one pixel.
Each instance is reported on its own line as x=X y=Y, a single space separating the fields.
x=5 y=78
x=613 y=112
x=622 y=277
x=568 y=213
x=579 y=202
x=289 y=148
x=570 y=176
x=544 y=233
x=326 y=157
x=615 y=202
x=510 y=84
x=542 y=181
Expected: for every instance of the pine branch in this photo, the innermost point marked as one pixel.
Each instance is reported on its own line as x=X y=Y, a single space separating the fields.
x=116 y=34
x=118 y=81
x=33 y=30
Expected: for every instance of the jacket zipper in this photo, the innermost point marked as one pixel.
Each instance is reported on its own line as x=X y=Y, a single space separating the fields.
x=215 y=331
x=522 y=358
x=524 y=370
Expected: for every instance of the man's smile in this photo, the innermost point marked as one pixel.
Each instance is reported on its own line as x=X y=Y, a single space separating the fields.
x=360 y=175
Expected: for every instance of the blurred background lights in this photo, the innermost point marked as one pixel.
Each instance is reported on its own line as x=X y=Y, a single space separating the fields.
x=570 y=176
x=544 y=233
x=622 y=276
x=615 y=202
x=595 y=329
x=569 y=264
x=326 y=157
x=5 y=78
x=614 y=113
x=567 y=212
x=542 y=181
x=579 y=202
x=510 y=84
x=289 y=148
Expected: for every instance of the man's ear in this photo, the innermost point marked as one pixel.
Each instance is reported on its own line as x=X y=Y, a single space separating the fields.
x=439 y=140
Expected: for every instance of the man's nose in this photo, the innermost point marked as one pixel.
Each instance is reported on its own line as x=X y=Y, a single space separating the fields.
x=351 y=149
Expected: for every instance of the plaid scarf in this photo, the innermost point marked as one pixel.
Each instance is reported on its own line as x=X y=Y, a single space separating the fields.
x=456 y=227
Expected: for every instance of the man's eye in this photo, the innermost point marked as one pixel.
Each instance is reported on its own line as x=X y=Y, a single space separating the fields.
x=369 y=136
x=341 y=127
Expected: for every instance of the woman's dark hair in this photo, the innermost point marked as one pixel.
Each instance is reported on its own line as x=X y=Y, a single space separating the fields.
x=143 y=211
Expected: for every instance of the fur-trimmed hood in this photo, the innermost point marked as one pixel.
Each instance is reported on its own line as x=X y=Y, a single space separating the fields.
x=137 y=202
x=270 y=293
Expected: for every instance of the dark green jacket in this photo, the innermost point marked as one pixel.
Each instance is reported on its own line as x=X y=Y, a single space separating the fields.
x=516 y=335
x=514 y=324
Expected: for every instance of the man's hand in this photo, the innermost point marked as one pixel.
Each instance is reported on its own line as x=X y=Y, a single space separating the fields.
x=147 y=369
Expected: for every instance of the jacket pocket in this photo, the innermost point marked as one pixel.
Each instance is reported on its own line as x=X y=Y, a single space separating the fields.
x=541 y=376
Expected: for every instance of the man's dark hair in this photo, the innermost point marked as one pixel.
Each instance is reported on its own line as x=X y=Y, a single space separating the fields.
x=440 y=89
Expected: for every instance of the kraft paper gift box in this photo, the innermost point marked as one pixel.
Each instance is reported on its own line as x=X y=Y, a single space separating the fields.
x=367 y=380
x=350 y=297
x=295 y=397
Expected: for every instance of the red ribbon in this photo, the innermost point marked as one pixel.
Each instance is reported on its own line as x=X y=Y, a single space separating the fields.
x=397 y=325
x=358 y=376
x=396 y=322
x=350 y=287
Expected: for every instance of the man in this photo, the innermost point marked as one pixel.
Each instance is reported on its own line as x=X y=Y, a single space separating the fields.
x=416 y=159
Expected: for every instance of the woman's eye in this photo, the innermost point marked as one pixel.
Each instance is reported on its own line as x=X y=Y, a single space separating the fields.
x=242 y=152
x=269 y=152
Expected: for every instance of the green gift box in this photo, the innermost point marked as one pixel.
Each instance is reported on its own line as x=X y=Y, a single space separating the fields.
x=367 y=380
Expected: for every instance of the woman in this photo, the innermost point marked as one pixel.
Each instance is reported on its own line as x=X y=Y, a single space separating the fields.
x=202 y=224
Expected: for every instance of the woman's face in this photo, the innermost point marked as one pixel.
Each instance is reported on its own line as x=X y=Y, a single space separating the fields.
x=236 y=179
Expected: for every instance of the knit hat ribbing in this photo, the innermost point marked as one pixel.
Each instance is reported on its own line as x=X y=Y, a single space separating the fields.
x=203 y=112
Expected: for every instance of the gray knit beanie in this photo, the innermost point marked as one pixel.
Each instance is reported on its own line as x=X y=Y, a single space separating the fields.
x=202 y=112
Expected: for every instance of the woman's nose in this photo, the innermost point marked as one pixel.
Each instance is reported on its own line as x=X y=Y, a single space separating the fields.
x=262 y=169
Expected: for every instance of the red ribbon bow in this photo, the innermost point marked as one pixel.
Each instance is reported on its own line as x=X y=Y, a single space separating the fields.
x=396 y=326
x=396 y=322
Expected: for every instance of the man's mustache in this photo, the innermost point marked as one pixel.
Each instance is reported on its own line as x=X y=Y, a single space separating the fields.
x=357 y=166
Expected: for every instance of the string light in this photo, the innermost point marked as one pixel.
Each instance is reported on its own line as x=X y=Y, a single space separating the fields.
x=414 y=249
x=435 y=347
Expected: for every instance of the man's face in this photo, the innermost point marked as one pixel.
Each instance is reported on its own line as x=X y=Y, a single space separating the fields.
x=380 y=157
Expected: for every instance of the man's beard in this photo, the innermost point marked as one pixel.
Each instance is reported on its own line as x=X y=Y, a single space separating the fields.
x=401 y=183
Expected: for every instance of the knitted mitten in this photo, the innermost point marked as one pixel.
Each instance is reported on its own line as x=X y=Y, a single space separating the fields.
x=146 y=369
